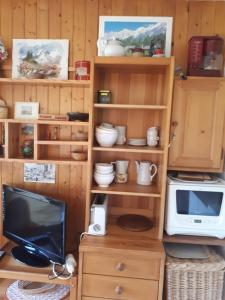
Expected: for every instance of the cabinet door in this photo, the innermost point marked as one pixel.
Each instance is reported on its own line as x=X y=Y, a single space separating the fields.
x=197 y=124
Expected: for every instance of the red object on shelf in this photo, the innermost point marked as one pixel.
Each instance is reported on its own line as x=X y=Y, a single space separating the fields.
x=82 y=70
x=205 y=56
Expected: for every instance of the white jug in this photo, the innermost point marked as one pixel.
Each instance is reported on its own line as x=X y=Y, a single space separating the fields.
x=114 y=48
x=144 y=172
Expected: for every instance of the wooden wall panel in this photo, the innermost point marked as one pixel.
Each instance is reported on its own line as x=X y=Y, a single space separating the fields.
x=77 y=20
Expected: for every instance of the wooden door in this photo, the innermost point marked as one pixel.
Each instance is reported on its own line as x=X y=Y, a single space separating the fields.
x=197 y=124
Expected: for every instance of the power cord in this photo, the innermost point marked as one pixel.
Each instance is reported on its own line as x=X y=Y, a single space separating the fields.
x=69 y=267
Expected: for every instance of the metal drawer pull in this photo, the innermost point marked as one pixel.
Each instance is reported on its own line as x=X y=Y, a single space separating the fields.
x=119 y=290
x=120 y=267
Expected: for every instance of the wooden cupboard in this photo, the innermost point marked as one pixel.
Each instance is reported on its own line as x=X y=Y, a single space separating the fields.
x=197 y=125
x=141 y=98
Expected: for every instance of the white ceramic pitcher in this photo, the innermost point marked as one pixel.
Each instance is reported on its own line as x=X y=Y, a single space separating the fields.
x=146 y=171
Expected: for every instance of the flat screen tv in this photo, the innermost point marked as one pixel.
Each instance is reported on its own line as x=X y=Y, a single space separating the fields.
x=36 y=224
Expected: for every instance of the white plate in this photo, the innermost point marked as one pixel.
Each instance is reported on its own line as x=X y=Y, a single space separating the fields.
x=137 y=142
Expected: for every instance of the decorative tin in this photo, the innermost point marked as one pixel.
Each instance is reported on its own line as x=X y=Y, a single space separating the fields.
x=82 y=70
x=104 y=96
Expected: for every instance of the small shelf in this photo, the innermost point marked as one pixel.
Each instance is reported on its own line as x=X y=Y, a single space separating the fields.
x=47 y=122
x=125 y=61
x=197 y=240
x=63 y=143
x=129 y=189
x=75 y=83
x=10 y=268
x=130 y=149
x=130 y=106
x=45 y=161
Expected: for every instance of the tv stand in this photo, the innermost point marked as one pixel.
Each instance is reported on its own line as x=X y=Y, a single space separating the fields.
x=11 y=269
x=30 y=257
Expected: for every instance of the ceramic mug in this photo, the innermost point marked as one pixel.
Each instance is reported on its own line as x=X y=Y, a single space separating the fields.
x=152 y=136
x=121 y=170
x=121 y=139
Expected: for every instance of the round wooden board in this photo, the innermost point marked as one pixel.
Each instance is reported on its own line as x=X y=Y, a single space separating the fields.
x=133 y=222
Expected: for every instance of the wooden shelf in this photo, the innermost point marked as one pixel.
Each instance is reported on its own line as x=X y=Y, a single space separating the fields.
x=63 y=143
x=12 y=269
x=130 y=106
x=75 y=83
x=189 y=239
x=125 y=61
x=130 y=149
x=45 y=122
x=129 y=189
x=46 y=161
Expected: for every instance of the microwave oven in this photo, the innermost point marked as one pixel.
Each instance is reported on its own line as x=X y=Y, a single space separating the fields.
x=195 y=208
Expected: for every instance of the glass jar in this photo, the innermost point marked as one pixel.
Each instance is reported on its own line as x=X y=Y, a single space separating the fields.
x=137 y=52
x=28 y=148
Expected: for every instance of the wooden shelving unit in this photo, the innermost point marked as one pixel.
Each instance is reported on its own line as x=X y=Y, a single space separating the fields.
x=141 y=98
x=13 y=138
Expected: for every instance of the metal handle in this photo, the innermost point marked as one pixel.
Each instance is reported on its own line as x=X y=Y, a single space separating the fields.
x=119 y=290
x=120 y=266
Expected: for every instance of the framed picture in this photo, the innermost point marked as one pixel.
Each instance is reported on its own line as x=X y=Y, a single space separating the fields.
x=43 y=59
x=148 y=33
x=26 y=110
x=42 y=173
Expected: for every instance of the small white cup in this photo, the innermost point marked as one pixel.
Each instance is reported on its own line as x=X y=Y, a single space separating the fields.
x=121 y=139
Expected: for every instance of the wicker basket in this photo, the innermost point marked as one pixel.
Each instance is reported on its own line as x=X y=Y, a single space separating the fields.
x=195 y=279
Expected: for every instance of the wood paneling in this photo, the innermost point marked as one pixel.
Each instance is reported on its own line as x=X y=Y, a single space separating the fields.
x=77 y=20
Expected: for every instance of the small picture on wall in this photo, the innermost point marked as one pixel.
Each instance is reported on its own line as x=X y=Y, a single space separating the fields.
x=40 y=59
x=26 y=110
x=42 y=173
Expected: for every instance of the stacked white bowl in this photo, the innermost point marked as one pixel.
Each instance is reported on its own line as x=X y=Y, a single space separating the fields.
x=106 y=135
x=104 y=174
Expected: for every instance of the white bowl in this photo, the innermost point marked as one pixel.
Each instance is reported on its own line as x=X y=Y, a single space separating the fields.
x=106 y=139
x=106 y=125
x=103 y=168
x=105 y=130
x=104 y=180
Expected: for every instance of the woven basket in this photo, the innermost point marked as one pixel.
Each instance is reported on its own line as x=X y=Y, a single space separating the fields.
x=195 y=279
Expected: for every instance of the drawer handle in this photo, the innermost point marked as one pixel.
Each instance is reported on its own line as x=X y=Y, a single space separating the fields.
x=120 y=267
x=119 y=290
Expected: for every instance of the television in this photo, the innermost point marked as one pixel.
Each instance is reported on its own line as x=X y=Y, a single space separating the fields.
x=36 y=224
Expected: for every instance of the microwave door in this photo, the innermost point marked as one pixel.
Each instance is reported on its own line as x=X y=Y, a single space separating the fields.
x=201 y=203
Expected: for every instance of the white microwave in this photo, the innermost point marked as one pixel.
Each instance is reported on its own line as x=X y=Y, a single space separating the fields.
x=195 y=208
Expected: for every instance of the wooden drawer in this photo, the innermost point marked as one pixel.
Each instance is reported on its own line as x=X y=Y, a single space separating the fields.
x=116 y=265
x=119 y=288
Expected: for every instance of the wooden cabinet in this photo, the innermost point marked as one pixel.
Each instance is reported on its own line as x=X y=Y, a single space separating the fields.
x=197 y=125
x=105 y=272
x=130 y=265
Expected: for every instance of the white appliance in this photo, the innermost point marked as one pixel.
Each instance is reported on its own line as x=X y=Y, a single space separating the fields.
x=195 y=208
x=99 y=212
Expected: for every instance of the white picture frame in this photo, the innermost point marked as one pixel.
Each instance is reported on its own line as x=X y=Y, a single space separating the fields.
x=26 y=110
x=40 y=59
x=39 y=173
x=136 y=31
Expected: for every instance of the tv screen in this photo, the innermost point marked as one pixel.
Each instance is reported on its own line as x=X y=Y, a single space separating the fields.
x=35 y=222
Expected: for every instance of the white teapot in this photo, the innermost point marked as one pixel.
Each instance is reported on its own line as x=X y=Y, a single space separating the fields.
x=114 y=48
x=146 y=171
